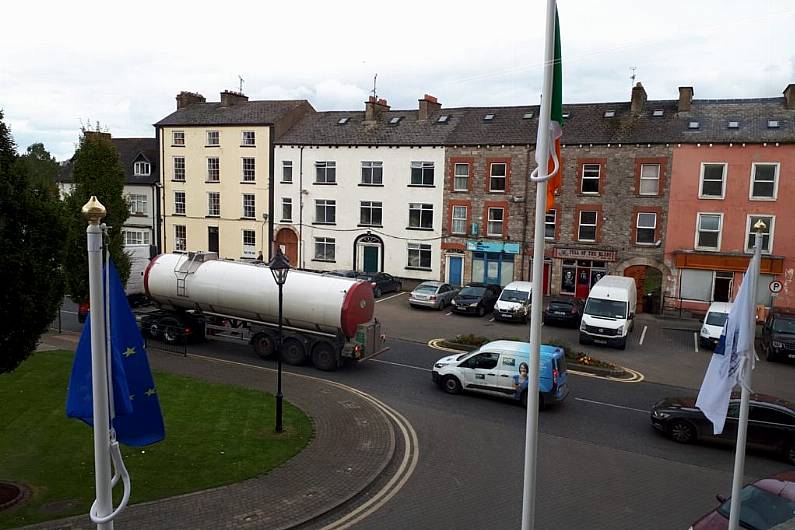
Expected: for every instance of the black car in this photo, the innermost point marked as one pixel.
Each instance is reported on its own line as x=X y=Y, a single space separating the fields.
x=771 y=423
x=778 y=336
x=342 y=273
x=381 y=282
x=477 y=298
x=566 y=311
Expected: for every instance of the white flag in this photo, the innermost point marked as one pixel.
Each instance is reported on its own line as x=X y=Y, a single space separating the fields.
x=734 y=354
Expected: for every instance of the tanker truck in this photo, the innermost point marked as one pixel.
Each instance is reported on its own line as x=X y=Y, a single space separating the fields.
x=326 y=319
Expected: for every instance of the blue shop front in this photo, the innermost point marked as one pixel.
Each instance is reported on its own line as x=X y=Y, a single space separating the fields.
x=494 y=262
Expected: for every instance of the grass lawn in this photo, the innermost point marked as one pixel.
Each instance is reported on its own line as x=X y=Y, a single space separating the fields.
x=215 y=435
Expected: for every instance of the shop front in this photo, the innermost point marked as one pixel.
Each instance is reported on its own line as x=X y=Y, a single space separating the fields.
x=493 y=262
x=580 y=269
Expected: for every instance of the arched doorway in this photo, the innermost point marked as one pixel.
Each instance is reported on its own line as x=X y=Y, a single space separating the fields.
x=288 y=242
x=368 y=253
x=648 y=281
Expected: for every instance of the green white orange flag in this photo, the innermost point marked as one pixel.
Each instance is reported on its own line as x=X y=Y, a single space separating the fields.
x=555 y=123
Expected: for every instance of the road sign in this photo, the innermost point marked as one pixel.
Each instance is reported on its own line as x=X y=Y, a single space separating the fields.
x=775 y=286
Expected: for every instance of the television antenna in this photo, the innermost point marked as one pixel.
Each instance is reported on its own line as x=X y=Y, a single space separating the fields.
x=632 y=77
x=241 y=84
x=375 y=79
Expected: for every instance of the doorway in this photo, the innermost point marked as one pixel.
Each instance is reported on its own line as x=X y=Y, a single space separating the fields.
x=368 y=253
x=287 y=241
x=722 y=286
x=455 y=266
x=370 y=258
x=212 y=238
x=648 y=282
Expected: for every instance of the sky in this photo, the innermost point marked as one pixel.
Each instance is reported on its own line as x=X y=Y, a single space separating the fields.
x=66 y=64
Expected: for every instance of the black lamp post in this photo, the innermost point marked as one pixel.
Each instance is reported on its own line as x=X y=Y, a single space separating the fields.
x=279 y=267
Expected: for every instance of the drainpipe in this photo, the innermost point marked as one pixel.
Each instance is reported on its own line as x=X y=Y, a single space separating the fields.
x=162 y=169
x=271 y=184
x=524 y=226
x=301 y=207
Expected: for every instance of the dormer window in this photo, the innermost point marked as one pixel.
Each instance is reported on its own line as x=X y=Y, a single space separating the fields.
x=443 y=118
x=734 y=125
x=772 y=124
x=141 y=169
x=395 y=120
x=343 y=121
x=566 y=115
x=657 y=113
x=693 y=125
x=527 y=116
x=610 y=113
x=488 y=117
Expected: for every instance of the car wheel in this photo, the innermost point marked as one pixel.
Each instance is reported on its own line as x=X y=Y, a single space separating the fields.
x=481 y=311
x=324 y=356
x=451 y=384
x=682 y=432
x=293 y=352
x=769 y=355
x=789 y=453
x=622 y=344
x=703 y=343
x=584 y=339
x=377 y=292
x=263 y=345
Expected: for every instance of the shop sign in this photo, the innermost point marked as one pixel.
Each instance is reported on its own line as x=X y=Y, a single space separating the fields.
x=493 y=246
x=592 y=254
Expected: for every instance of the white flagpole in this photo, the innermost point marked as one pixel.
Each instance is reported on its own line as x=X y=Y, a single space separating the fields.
x=542 y=158
x=94 y=211
x=745 y=396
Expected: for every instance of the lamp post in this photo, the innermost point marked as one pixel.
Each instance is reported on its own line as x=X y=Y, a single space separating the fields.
x=279 y=267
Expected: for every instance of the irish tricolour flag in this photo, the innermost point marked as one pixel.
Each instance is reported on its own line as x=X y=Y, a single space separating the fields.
x=555 y=122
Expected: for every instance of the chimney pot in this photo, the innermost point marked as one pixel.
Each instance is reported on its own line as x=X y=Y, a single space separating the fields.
x=789 y=96
x=428 y=105
x=638 y=98
x=373 y=107
x=685 y=98
x=185 y=98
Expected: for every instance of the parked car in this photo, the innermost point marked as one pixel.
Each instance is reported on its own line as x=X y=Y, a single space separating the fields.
x=437 y=295
x=344 y=273
x=768 y=503
x=771 y=423
x=778 y=336
x=563 y=310
x=82 y=312
x=713 y=323
x=381 y=282
x=500 y=368
x=477 y=298
x=514 y=302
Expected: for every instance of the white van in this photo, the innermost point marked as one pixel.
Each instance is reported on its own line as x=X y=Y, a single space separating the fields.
x=713 y=324
x=514 y=302
x=609 y=312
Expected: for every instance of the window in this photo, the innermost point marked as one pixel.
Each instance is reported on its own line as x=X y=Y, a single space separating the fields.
x=657 y=113
x=325 y=172
x=495 y=221
x=769 y=415
x=693 y=125
x=395 y=120
x=249 y=169
x=180 y=237
x=325 y=211
x=179 y=203
x=566 y=115
x=712 y=180
x=421 y=216
x=372 y=173
x=587 y=227
x=249 y=243
x=488 y=117
x=549 y=224
x=287 y=171
x=443 y=118
x=461 y=177
x=419 y=256
x=370 y=213
x=287 y=209
x=764 y=181
x=527 y=115
x=214 y=204
x=178 y=138
x=646 y=228
x=179 y=168
x=141 y=169
x=459 y=221
x=772 y=124
x=325 y=248
x=708 y=231
x=249 y=208
x=767 y=233
x=498 y=176
x=213 y=169
x=610 y=113
x=136 y=237
x=137 y=204
x=422 y=173
x=343 y=121
x=734 y=125
x=649 y=179
x=249 y=138
x=213 y=138
x=590 y=178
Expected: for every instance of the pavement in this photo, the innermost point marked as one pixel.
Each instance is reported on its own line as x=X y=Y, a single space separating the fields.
x=354 y=443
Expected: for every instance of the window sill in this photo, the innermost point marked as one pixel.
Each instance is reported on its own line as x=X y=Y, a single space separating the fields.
x=324 y=224
x=420 y=186
x=248 y=146
x=248 y=181
x=212 y=181
x=458 y=234
x=142 y=175
x=285 y=182
x=248 y=218
x=178 y=214
x=495 y=236
x=653 y=195
x=371 y=185
x=213 y=145
x=710 y=198
x=212 y=216
x=370 y=226
x=177 y=145
x=705 y=249
x=286 y=221
x=428 y=269
x=644 y=245
x=324 y=183
x=177 y=180
x=503 y=192
x=324 y=260
x=138 y=215
x=461 y=191
x=589 y=194
x=421 y=229
x=763 y=199
x=586 y=241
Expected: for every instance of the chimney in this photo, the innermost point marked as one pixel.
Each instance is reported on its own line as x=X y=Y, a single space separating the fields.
x=638 y=98
x=789 y=96
x=374 y=107
x=428 y=104
x=685 y=98
x=97 y=135
x=188 y=98
x=229 y=98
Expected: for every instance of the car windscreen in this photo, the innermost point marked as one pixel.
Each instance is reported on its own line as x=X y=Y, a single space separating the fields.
x=601 y=307
x=472 y=291
x=560 y=306
x=512 y=295
x=425 y=289
x=716 y=319
x=784 y=325
x=760 y=509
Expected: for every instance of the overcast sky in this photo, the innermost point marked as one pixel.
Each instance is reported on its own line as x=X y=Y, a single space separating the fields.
x=122 y=63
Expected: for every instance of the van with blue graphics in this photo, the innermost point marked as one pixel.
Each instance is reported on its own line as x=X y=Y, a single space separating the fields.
x=500 y=368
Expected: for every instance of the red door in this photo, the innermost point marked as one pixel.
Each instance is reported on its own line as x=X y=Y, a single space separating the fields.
x=288 y=242
x=583 y=282
x=547 y=267
x=638 y=272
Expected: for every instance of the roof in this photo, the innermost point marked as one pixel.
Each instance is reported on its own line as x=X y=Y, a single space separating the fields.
x=130 y=150
x=265 y=112
x=520 y=348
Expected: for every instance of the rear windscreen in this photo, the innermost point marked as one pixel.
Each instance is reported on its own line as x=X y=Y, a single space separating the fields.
x=561 y=362
x=560 y=306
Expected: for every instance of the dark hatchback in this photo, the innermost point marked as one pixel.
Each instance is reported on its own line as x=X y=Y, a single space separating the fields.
x=778 y=337
x=563 y=311
x=381 y=282
x=477 y=298
x=771 y=423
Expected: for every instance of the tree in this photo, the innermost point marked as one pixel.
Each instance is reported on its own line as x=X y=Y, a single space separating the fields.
x=96 y=171
x=41 y=165
x=31 y=251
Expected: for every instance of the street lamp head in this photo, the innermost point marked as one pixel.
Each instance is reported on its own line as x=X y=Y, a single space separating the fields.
x=279 y=267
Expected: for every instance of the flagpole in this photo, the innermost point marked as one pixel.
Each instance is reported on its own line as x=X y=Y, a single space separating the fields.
x=745 y=396
x=94 y=211
x=542 y=154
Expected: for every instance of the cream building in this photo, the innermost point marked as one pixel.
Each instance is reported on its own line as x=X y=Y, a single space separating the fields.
x=216 y=172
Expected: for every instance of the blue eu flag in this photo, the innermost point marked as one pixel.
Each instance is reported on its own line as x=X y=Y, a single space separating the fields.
x=138 y=420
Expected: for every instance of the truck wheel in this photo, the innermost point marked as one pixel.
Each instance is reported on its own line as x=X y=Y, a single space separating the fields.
x=293 y=351
x=324 y=356
x=171 y=331
x=263 y=345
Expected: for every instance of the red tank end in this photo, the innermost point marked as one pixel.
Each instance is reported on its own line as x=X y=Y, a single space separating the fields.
x=146 y=275
x=357 y=307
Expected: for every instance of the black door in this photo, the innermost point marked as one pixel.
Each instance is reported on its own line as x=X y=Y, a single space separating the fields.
x=212 y=238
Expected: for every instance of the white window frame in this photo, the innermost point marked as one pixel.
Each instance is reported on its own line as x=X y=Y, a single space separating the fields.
x=287 y=164
x=725 y=179
x=139 y=203
x=287 y=201
x=210 y=196
x=328 y=168
x=597 y=178
x=249 y=247
x=372 y=167
x=459 y=219
x=423 y=208
x=326 y=242
x=595 y=225
x=253 y=206
x=698 y=231
x=176 y=169
x=209 y=177
x=245 y=140
x=425 y=169
x=142 y=168
x=243 y=169
x=141 y=237
x=653 y=229
x=498 y=177
x=554 y=223
x=217 y=142
x=180 y=241
x=489 y=222
x=776 y=175
x=328 y=205
x=657 y=179
x=372 y=206
x=420 y=249
x=175 y=135
x=177 y=203
x=457 y=176
x=749 y=228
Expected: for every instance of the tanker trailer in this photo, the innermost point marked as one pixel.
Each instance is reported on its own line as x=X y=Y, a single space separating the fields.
x=325 y=318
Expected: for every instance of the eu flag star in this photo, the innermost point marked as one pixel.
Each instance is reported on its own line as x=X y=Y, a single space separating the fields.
x=150 y=392
x=128 y=352
x=132 y=397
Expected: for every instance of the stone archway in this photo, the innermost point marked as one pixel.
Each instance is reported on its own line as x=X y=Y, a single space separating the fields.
x=649 y=276
x=287 y=240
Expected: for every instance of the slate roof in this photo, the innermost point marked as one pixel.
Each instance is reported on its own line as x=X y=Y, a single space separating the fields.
x=266 y=112
x=130 y=150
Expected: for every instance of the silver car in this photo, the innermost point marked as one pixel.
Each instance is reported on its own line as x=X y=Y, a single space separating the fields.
x=432 y=294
